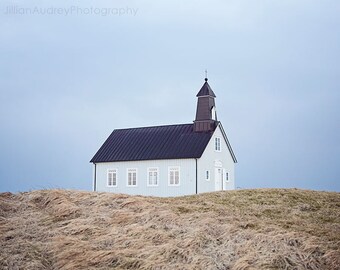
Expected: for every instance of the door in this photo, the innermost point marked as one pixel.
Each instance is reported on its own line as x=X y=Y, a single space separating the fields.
x=218 y=179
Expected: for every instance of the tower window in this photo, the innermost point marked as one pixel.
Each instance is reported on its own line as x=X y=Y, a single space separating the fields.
x=213 y=113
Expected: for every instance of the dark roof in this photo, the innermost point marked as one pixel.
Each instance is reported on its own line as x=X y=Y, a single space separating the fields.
x=148 y=143
x=206 y=90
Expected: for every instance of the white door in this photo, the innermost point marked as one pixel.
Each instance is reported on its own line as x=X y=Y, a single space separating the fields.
x=218 y=179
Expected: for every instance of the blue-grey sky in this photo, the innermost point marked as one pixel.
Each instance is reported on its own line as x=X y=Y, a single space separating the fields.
x=72 y=71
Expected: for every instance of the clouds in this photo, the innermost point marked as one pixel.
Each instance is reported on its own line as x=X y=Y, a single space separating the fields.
x=67 y=81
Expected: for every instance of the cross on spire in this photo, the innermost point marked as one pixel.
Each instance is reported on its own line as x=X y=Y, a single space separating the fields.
x=206 y=75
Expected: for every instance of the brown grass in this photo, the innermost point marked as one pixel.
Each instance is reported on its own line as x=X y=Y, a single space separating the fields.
x=244 y=229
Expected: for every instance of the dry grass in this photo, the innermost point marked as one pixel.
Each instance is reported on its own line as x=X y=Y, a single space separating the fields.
x=244 y=229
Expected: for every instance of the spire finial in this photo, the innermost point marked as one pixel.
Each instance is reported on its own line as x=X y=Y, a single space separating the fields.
x=206 y=75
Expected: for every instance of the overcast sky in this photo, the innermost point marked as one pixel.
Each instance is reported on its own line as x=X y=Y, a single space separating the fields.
x=72 y=72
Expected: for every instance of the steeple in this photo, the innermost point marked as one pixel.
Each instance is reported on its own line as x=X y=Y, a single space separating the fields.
x=206 y=118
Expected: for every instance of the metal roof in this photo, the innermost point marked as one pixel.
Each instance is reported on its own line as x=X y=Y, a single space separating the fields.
x=206 y=90
x=148 y=143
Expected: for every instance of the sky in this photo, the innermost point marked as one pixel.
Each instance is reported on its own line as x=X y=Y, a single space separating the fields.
x=72 y=71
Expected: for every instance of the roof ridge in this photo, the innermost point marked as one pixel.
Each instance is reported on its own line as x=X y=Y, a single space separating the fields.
x=154 y=126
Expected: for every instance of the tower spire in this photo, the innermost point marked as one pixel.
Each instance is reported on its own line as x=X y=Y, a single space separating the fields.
x=206 y=118
x=206 y=75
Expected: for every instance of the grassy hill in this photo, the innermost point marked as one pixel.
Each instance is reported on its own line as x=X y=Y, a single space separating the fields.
x=243 y=229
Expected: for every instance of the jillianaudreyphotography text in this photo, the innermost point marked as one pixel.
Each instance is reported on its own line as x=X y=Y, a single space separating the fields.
x=70 y=10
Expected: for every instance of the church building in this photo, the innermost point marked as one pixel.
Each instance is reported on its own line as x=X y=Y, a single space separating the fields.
x=170 y=160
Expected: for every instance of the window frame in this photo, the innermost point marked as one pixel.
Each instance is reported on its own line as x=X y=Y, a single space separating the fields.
x=128 y=170
x=111 y=171
x=174 y=168
x=217 y=145
x=152 y=169
x=207 y=175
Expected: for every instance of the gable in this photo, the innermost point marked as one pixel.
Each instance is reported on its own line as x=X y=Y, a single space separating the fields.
x=227 y=142
x=151 y=143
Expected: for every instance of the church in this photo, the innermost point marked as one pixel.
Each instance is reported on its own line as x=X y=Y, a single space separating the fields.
x=170 y=160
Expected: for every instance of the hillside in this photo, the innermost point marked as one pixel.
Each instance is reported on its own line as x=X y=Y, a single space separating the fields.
x=243 y=229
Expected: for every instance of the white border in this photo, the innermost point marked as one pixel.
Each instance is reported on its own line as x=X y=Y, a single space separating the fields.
x=215 y=144
x=127 y=177
x=179 y=176
x=147 y=176
x=107 y=177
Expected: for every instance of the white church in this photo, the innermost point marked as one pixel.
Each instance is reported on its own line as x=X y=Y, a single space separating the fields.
x=171 y=160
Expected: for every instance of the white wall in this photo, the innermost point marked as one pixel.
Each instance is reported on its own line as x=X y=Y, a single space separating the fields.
x=210 y=159
x=187 y=177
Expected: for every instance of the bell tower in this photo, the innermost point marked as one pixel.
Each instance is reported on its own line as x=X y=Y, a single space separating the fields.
x=206 y=118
